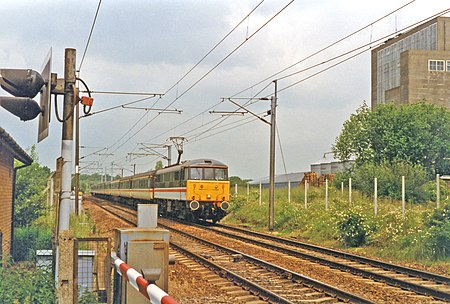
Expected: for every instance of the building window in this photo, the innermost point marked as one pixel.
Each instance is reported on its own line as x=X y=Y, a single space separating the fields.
x=388 y=58
x=448 y=65
x=436 y=65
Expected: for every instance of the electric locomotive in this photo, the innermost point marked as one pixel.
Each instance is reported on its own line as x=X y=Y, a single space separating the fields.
x=193 y=190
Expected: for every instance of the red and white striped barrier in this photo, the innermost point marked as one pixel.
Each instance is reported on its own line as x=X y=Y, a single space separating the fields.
x=152 y=292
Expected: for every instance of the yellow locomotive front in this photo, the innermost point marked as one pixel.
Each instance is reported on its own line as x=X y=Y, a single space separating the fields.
x=207 y=189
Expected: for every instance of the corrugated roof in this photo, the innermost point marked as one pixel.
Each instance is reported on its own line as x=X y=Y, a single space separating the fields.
x=281 y=178
x=18 y=152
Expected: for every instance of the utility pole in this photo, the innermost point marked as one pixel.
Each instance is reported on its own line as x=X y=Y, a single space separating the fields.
x=64 y=248
x=273 y=107
x=77 y=156
x=273 y=128
x=169 y=154
x=67 y=138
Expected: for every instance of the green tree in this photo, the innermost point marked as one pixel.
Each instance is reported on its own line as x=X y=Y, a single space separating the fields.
x=354 y=140
x=237 y=180
x=417 y=133
x=86 y=180
x=30 y=196
x=159 y=165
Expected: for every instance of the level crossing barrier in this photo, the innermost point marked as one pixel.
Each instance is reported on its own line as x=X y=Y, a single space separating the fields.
x=152 y=292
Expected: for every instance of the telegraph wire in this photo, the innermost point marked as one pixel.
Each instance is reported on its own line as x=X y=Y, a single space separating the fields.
x=90 y=35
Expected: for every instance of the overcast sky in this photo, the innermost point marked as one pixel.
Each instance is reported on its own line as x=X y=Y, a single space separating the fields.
x=147 y=46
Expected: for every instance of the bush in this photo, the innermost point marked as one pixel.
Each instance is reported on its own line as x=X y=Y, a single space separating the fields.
x=87 y=297
x=389 y=175
x=353 y=227
x=29 y=239
x=27 y=285
x=438 y=239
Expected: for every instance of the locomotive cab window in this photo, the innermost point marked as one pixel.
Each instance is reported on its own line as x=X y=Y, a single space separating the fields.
x=196 y=173
x=221 y=174
x=208 y=174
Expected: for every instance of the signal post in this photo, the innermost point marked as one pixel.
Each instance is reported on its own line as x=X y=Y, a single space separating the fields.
x=64 y=278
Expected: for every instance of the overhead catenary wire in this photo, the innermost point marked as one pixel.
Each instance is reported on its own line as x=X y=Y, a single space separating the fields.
x=90 y=35
x=231 y=53
x=338 y=63
x=209 y=71
x=214 y=47
x=121 y=105
x=313 y=54
x=271 y=77
x=285 y=88
x=195 y=136
x=368 y=45
x=206 y=74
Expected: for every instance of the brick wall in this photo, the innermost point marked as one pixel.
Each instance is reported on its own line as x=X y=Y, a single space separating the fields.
x=6 y=182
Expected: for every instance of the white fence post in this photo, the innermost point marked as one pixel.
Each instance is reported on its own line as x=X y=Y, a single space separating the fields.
x=438 y=192
x=350 y=190
x=326 y=194
x=289 y=191
x=375 y=195
x=306 y=194
x=403 y=195
x=235 y=189
x=260 y=194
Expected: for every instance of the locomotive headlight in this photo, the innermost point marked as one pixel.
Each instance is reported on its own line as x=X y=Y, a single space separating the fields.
x=208 y=196
x=224 y=205
x=194 y=205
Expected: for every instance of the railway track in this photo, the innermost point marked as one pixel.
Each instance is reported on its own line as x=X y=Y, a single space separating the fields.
x=408 y=284
x=269 y=282
x=425 y=283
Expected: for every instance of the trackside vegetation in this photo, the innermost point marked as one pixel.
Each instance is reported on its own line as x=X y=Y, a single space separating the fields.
x=21 y=280
x=387 y=143
x=420 y=236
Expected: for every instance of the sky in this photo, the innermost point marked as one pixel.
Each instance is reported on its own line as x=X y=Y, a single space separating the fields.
x=151 y=47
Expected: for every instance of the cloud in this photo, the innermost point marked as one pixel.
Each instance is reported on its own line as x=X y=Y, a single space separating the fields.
x=147 y=46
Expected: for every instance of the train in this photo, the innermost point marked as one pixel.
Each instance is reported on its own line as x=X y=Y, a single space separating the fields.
x=197 y=190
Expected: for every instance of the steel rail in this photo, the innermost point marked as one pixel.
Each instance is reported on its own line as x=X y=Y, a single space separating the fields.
x=440 y=295
x=348 y=256
x=328 y=289
x=254 y=288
